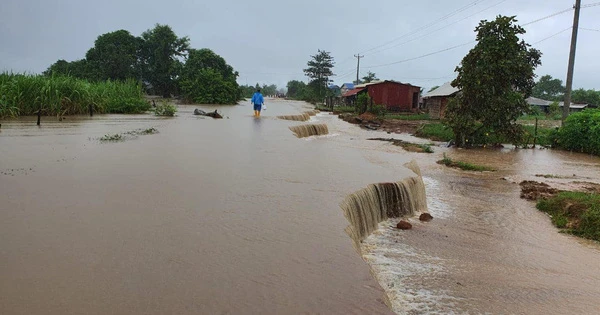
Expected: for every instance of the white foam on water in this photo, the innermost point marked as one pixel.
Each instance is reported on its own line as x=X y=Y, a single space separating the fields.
x=398 y=268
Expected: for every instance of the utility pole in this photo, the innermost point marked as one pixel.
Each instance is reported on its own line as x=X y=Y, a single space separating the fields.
x=358 y=67
x=566 y=106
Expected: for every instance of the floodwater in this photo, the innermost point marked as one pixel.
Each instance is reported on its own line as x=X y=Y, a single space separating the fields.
x=240 y=216
x=231 y=216
x=487 y=250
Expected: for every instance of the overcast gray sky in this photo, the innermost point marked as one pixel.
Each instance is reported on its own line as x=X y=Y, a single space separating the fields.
x=270 y=41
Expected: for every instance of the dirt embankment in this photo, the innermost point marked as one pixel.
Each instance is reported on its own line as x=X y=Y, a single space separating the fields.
x=370 y=121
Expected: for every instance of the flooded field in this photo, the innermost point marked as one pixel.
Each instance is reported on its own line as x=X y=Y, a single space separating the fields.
x=240 y=215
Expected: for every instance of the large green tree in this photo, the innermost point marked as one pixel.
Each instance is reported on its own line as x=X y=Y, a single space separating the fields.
x=549 y=89
x=161 y=55
x=495 y=77
x=207 y=79
x=296 y=89
x=320 y=70
x=115 y=56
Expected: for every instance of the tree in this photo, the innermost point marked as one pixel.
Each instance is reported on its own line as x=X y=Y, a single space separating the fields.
x=295 y=89
x=320 y=70
x=161 y=54
x=206 y=78
x=591 y=97
x=495 y=77
x=77 y=68
x=433 y=88
x=115 y=56
x=370 y=77
x=548 y=89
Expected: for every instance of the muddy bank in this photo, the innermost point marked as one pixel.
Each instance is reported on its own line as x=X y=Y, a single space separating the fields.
x=370 y=121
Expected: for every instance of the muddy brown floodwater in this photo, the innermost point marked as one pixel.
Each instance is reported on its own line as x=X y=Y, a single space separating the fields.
x=239 y=216
x=231 y=216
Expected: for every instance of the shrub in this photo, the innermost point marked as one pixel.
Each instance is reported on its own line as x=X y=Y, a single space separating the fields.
x=581 y=132
x=165 y=109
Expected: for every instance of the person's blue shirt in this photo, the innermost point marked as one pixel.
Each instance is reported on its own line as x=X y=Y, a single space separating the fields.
x=257 y=99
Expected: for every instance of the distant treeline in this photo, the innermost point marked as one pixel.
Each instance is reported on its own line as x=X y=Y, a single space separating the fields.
x=164 y=63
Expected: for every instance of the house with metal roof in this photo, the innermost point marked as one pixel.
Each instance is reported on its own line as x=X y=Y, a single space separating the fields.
x=346 y=87
x=394 y=95
x=435 y=101
x=544 y=105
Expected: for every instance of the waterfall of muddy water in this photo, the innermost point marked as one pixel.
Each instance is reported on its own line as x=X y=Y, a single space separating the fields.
x=303 y=131
x=368 y=207
x=487 y=251
x=302 y=117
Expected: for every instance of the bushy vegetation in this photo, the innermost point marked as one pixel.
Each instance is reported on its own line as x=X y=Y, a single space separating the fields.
x=60 y=95
x=464 y=165
x=165 y=109
x=435 y=132
x=576 y=212
x=207 y=79
x=581 y=132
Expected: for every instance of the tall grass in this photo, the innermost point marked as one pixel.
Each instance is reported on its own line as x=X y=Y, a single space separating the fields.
x=22 y=94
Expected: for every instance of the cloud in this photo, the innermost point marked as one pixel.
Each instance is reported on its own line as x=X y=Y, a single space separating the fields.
x=270 y=41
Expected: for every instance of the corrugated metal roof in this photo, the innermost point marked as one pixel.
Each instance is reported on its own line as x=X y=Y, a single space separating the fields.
x=445 y=90
x=381 y=81
x=540 y=102
x=352 y=92
x=349 y=86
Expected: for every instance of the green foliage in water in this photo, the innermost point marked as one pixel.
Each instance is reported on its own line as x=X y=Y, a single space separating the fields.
x=165 y=109
x=59 y=95
x=581 y=132
x=464 y=165
x=112 y=137
x=576 y=212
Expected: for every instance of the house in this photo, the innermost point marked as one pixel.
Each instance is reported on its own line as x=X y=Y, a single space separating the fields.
x=544 y=105
x=346 y=87
x=335 y=90
x=396 y=96
x=435 y=101
x=351 y=95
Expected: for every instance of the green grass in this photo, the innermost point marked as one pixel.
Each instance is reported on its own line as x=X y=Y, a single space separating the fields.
x=577 y=213
x=408 y=117
x=435 y=132
x=464 y=165
x=22 y=94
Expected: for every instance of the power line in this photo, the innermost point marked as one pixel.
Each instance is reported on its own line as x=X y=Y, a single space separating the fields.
x=595 y=4
x=549 y=16
x=439 y=29
x=566 y=29
x=426 y=26
x=589 y=29
x=422 y=56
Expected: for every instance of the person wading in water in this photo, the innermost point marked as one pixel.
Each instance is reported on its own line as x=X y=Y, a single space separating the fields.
x=257 y=101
